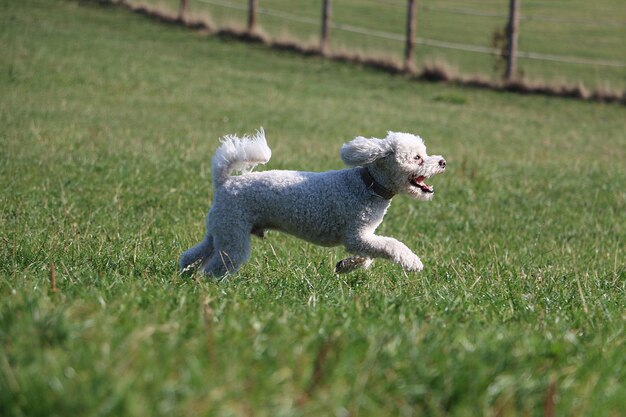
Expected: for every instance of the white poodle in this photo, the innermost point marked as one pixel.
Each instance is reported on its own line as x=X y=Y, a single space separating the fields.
x=327 y=208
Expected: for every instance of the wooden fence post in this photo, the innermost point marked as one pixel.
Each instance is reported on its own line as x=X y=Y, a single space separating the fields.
x=184 y=8
x=326 y=12
x=252 y=11
x=511 y=33
x=409 y=49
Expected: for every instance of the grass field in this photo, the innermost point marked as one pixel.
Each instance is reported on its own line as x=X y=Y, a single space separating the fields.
x=107 y=125
x=573 y=28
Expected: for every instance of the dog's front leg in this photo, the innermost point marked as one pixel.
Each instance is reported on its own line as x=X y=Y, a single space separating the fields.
x=373 y=246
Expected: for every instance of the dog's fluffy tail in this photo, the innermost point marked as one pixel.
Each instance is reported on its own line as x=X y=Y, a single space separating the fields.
x=239 y=154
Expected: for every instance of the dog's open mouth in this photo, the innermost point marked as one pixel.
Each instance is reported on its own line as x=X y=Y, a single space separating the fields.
x=418 y=182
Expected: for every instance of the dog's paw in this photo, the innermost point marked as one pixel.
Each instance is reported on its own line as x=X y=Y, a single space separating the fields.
x=190 y=269
x=350 y=264
x=414 y=264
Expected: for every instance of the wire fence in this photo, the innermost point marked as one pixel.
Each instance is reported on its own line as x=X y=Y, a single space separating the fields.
x=565 y=47
x=294 y=17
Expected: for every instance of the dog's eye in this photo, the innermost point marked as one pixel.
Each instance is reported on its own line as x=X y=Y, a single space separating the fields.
x=417 y=158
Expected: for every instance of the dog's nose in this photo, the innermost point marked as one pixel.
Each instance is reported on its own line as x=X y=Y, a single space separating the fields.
x=442 y=163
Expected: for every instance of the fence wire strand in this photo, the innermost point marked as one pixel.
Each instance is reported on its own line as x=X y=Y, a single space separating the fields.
x=419 y=40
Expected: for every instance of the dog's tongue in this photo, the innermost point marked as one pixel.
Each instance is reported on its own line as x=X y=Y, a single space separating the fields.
x=419 y=182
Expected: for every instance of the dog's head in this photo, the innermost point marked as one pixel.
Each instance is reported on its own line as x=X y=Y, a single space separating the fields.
x=399 y=162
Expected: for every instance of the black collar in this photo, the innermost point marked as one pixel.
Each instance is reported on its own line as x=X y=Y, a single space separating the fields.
x=371 y=183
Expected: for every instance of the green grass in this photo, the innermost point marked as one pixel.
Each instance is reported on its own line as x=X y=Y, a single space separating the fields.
x=591 y=30
x=107 y=125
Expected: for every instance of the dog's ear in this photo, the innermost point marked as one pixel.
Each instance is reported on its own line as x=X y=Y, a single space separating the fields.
x=363 y=151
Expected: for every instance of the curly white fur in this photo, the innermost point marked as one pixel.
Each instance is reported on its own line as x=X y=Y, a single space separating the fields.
x=327 y=208
x=239 y=154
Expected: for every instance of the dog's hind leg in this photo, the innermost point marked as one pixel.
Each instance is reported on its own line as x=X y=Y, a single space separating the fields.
x=232 y=249
x=195 y=256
